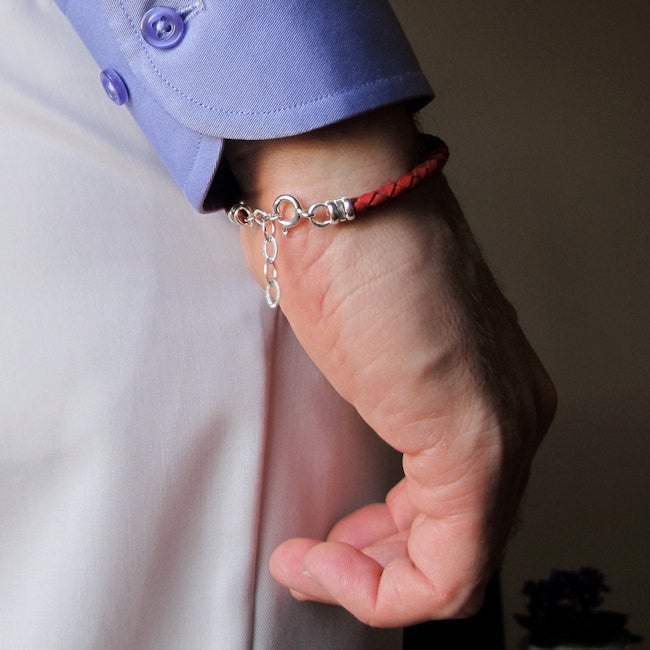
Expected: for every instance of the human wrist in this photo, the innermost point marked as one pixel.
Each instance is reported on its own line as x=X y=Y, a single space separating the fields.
x=311 y=161
x=344 y=159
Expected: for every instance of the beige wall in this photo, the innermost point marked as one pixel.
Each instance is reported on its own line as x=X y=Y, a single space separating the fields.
x=545 y=108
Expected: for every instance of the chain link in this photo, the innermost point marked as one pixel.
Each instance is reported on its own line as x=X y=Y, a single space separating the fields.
x=270 y=251
x=287 y=213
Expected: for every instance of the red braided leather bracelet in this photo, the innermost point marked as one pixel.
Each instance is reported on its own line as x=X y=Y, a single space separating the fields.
x=333 y=211
x=438 y=155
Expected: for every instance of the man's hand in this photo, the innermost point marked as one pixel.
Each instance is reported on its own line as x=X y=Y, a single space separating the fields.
x=400 y=313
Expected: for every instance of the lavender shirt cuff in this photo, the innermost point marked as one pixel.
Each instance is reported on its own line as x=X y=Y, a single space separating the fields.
x=245 y=70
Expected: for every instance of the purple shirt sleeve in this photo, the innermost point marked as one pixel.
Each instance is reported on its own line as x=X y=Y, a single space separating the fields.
x=197 y=73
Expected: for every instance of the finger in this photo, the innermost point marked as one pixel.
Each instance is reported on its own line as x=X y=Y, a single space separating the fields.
x=402 y=511
x=364 y=526
x=378 y=521
x=388 y=549
x=433 y=573
x=286 y=565
x=390 y=596
x=455 y=555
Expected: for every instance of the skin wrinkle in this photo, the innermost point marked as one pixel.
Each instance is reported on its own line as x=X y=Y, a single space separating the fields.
x=335 y=353
x=427 y=424
x=333 y=306
x=418 y=466
x=334 y=318
x=432 y=368
x=448 y=504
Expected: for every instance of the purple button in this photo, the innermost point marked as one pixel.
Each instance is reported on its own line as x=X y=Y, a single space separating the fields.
x=162 y=27
x=114 y=86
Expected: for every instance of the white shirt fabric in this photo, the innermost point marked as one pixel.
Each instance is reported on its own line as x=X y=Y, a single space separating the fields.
x=161 y=431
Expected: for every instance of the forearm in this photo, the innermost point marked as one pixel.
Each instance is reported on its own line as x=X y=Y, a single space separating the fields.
x=402 y=316
x=347 y=159
x=413 y=250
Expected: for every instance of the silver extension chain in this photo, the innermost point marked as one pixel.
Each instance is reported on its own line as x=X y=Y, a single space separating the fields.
x=287 y=212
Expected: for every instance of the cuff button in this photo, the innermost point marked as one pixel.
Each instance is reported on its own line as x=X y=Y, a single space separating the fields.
x=114 y=86
x=162 y=27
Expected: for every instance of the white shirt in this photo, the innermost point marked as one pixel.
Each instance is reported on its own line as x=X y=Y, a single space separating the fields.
x=161 y=431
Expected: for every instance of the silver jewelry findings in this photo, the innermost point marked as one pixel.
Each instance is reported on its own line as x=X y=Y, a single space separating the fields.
x=287 y=213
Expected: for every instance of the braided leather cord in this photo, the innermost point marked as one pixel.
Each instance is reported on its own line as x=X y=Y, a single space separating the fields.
x=437 y=157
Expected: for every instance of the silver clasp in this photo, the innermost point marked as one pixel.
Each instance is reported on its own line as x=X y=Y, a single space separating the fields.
x=241 y=214
x=339 y=210
x=297 y=209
